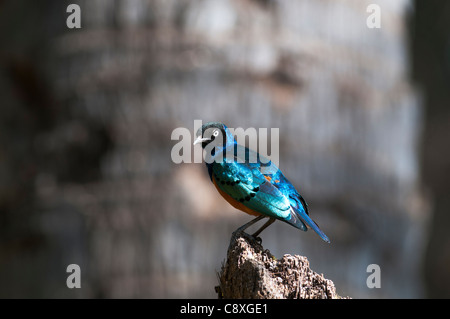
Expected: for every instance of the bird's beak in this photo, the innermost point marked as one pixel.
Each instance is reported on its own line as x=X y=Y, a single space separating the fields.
x=201 y=139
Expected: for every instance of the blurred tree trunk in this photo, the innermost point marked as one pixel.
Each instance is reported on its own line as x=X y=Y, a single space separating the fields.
x=430 y=33
x=89 y=165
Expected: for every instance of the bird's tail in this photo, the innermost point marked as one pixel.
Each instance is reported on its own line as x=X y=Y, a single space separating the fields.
x=300 y=219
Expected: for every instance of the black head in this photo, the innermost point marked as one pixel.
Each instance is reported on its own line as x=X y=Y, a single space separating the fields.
x=213 y=133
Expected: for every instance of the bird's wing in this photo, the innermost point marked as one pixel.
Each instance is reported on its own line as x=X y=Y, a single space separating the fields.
x=301 y=215
x=299 y=211
x=259 y=184
x=253 y=159
x=246 y=184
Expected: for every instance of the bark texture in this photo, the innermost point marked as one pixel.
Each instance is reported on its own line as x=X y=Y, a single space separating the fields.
x=251 y=271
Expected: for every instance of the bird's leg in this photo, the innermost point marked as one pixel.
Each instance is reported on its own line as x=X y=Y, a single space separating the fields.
x=245 y=226
x=267 y=224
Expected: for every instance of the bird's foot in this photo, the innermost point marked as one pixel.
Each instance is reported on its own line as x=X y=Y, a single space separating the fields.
x=241 y=233
x=253 y=237
x=257 y=239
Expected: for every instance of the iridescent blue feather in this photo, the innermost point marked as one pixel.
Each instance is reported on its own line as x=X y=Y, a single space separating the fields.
x=260 y=185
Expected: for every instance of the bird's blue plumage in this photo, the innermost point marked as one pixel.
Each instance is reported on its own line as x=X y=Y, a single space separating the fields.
x=254 y=182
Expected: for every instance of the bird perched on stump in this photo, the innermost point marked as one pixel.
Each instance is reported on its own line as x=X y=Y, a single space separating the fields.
x=252 y=183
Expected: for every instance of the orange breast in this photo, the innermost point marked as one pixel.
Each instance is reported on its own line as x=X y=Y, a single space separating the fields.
x=236 y=204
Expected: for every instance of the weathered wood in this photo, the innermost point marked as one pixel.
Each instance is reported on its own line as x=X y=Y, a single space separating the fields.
x=251 y=271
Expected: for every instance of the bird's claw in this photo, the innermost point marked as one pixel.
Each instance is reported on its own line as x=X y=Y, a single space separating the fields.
x=257 y=239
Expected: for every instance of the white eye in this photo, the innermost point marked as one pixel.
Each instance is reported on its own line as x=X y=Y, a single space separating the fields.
x=216 y=133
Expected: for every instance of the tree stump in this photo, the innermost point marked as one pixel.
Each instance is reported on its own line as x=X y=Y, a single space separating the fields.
x=251 y=271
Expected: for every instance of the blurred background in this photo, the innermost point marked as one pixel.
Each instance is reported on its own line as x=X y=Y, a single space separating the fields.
x=87 y=114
